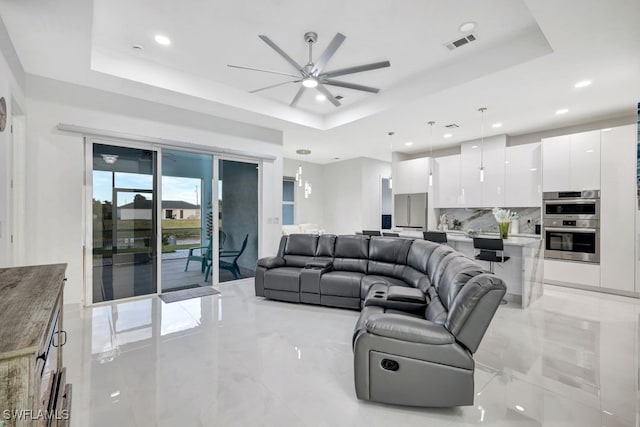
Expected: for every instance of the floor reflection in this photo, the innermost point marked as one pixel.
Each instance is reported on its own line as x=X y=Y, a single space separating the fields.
x=234 y=359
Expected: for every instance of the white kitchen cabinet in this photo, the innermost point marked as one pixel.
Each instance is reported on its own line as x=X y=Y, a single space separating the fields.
x=571 y=162
x=493 y=161
x=585 y=161
x=556 y=155
x=470 y=185
x=446 y=182
x=412 y=176
x=402 y=178
x=523 y=174
x=617 y=208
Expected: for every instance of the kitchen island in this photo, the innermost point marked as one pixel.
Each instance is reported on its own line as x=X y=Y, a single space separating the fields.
x=522 y=273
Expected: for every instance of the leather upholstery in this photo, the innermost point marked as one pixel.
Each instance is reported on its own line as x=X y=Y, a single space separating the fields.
x=432 y=347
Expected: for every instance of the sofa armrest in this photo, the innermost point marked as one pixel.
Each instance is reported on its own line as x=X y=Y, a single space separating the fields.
x=271 y=262
x=405 y=294
x=408 y=328
x=320 y=264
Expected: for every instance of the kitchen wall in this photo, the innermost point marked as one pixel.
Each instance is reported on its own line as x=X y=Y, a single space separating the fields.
x=55 y=210
x=482 y=219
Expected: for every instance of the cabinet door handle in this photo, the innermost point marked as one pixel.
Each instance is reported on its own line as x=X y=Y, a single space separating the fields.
x=63 y=336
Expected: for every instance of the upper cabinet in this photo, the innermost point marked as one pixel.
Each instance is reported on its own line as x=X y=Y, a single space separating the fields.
x=470 y=185
x=523 y=173
x=412 y=176
x=571 y=162
x=446 y=182
x=494 y=170
x=585 y=161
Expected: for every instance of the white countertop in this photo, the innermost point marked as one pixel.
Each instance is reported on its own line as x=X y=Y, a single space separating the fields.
x=459 y=236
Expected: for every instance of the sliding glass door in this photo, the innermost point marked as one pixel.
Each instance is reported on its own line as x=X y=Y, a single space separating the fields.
x=123 y=211
x=203 y=229
x=238 y=210
x=187 y=220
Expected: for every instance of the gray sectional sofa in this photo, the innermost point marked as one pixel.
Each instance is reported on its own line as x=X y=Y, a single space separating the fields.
x=425 y=309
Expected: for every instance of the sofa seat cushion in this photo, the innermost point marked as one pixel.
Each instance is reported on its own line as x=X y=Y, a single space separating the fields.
x=372 y=310
x=341 y=284
x=372 y=279
x=283 y=279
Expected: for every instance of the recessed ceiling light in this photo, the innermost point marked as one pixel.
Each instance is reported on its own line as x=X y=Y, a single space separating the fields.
x=562 y=111
x=519 y=408
x=408 y=143
x=533 y=169
x=163 y=40
x=474 y=146
x=496 y=125
x=589 y=151
x=447 y=135
x=321 y=97
x=467 y=27
x=582 y=83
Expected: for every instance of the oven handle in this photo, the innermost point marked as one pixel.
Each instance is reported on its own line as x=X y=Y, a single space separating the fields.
x=578 y=230
x=571 y=201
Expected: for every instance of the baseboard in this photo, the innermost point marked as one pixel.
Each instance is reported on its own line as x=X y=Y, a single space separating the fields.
x=593 y=288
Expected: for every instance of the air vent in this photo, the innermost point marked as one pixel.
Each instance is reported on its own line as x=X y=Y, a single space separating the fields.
x=461 y=42
x=452 y=126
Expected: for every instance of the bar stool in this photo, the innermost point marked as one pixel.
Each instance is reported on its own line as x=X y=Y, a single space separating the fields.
x=435 y=236
x=371 y=232
x=390 y=234
x=489 y=249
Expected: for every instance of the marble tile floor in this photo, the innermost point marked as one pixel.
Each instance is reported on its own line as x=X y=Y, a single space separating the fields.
x=571 y=359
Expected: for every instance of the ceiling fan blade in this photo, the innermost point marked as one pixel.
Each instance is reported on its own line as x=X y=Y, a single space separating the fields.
x=281 y=52
x=323 y=90
x=242 y=67
x=275 y=85
x=328 y=53
x=356 y=69
x=351 y=85
x=297 y=97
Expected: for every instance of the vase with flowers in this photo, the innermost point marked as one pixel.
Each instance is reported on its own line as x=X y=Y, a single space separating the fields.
x=504 y=218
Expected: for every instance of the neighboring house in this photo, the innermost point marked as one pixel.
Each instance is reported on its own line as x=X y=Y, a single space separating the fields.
x=171 y=209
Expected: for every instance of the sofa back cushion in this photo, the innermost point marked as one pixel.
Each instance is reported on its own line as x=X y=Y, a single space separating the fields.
x=457 y=271
x=326 y=246
x=419 y=254
x=351 y=253
x=434 y=260
x=471 y=311
x=300 y=249
x=388 y=256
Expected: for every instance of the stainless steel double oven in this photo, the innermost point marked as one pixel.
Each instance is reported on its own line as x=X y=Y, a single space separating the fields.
x=571 y=225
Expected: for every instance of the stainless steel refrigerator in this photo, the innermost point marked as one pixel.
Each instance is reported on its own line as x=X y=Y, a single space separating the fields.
x=410 y=210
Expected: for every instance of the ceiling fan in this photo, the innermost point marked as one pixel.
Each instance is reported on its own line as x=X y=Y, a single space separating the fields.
x=312 y=75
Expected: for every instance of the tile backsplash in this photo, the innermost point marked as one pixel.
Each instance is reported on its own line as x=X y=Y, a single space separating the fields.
x=482 y=219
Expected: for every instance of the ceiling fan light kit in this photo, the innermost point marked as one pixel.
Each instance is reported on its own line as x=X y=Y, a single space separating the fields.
x=312 y=75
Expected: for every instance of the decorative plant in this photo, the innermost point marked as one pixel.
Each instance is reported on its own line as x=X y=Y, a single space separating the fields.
x=504 y=218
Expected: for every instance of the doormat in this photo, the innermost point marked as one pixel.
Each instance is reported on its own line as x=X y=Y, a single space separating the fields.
x=201 y=291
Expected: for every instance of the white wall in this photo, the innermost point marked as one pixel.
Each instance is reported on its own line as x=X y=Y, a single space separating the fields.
x=11 y=89
x=55 y=164
x=371 y=205
x=307 y=211
x=342 y=200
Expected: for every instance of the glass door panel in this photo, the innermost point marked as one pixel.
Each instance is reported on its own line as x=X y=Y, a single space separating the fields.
x=238 y=199
x=124 y=254
x=187 y=258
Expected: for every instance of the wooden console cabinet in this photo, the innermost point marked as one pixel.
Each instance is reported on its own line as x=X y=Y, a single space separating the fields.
x=33 y=390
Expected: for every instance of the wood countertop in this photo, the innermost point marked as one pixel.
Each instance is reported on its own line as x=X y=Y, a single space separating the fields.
x=27 y=298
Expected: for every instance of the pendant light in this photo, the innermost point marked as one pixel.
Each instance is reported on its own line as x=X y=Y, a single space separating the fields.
x=391 y=152
x=307 y=184
x=431 y=154
x=482 y=110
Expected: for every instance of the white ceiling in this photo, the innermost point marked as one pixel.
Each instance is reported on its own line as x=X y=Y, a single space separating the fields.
x=528 y=55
